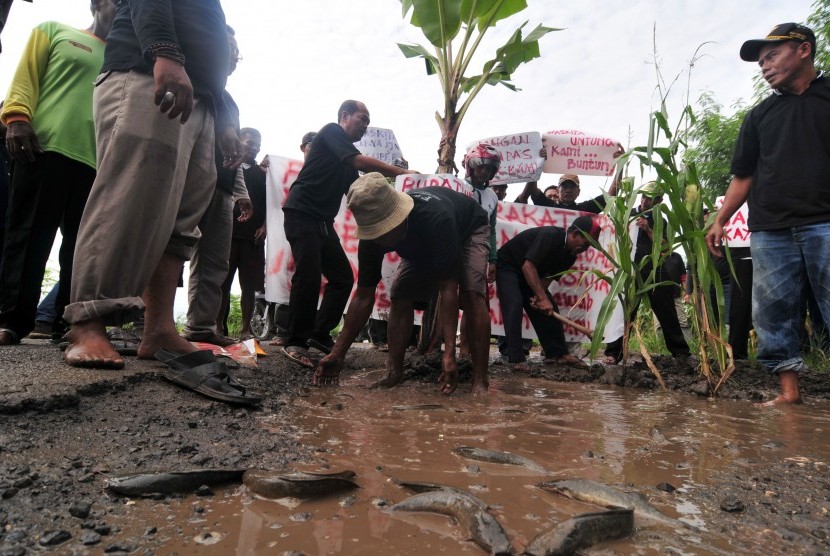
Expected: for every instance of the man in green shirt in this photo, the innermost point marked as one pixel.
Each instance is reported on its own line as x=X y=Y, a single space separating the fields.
x=51 y=139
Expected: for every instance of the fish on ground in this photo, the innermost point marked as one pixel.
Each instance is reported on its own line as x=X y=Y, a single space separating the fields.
x=582 y=531
x=482 y=527
x=607 y=496
x=270 y=484
x=493 y=456
x=172 y=482
x=419 y=488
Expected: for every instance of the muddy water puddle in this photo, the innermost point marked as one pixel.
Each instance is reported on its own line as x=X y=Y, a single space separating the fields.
x=632 y=440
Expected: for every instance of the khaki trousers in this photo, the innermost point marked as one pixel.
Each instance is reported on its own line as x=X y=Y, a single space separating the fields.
x=155 y=180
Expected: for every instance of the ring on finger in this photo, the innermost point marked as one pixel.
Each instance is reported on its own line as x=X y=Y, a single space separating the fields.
x=169 y=97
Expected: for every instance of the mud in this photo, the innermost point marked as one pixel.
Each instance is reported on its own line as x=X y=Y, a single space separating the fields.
x=63 y=435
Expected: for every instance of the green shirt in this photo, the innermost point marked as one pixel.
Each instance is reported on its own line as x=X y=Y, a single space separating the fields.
x=53 y=86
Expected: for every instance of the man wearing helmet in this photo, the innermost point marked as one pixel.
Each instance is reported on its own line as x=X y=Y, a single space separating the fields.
x=482 y=164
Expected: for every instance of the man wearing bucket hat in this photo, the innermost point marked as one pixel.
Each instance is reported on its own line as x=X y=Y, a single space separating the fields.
x=524 y=264
x=441 y=237
x=781 y=166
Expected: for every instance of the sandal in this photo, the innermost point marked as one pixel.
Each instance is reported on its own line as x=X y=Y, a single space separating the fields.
x=323 y=346
x=201 y=372
x=8 y=337
x=299 y=355
x=124 y=342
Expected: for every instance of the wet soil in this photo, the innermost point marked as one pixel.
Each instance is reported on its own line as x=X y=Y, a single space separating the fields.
x=58 y=448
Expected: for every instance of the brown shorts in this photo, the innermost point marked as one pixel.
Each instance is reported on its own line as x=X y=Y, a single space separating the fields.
x=418 y=285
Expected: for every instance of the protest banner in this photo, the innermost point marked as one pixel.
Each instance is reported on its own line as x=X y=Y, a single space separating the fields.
x=520 y=158
x=381 y=144
x=576 y=152
x=736 y=232
x=578 y=294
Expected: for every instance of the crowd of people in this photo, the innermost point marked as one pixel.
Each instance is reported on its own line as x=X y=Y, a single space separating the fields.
x=133 y=113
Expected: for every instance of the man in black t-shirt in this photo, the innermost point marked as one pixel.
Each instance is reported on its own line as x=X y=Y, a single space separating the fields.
x=526 y=266
x=442 y=237
x=781 y=166
x=247 y=253
x=313 y=201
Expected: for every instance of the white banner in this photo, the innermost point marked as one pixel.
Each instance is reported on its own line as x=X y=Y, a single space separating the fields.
x=736 y=231
x=576 y=152
x=521 y=160
x=381 y=144
x=579 y=295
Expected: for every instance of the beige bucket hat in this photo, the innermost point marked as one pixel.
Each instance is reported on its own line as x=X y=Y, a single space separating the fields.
x=377 y=207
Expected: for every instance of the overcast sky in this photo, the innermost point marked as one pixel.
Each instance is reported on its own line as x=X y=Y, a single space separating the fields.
x=302 y=59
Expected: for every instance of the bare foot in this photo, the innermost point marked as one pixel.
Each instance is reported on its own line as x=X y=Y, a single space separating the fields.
x=790 y=391
x=151 y=342
x=390 y=381
x=89 y=347
x=480 y=387
x=781 y=400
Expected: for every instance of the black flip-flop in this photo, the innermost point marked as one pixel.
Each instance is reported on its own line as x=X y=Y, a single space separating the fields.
x=321 y=346
x=201 y=372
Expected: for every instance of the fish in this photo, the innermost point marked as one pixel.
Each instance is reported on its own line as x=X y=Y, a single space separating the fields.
x=420 y=407
x=172 y=482
x=270 y=484
x=435 y=487
x=492 y=456
x=482 y=527
x=582 y=531
x=606 y=496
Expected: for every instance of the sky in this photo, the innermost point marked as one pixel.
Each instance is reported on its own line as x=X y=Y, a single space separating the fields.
x=302 y=59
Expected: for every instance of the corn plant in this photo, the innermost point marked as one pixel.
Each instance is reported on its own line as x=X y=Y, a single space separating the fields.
x=685 y=229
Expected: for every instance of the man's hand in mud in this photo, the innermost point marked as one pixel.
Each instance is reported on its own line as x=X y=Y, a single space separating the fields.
x=448 y=380
x=327 y=372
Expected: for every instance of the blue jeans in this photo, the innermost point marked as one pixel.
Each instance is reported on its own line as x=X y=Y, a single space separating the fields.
x=784 y=260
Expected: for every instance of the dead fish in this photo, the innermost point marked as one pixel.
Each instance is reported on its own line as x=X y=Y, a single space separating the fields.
x=582 y=531
x=483 y=528
x=420 y=407
x=492 y=456
x=145 y=484
x=435 y=487
x=299 y=485
x=606 y=496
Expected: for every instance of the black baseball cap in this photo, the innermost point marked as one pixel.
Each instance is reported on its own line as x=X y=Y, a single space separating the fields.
x=780 y=33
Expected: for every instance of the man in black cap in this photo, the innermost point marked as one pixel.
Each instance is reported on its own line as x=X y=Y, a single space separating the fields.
x=781 y=166
x=526 y=265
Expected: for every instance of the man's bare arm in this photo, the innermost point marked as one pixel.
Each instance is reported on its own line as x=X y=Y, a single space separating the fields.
x=736 y=196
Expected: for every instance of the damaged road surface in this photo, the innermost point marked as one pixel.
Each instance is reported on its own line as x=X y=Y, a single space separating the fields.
x=740 y=479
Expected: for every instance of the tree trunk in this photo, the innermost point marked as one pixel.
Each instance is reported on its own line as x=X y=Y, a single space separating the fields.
x=446 y=148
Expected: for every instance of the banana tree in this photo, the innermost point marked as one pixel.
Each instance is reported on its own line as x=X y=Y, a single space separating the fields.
x=455 y=29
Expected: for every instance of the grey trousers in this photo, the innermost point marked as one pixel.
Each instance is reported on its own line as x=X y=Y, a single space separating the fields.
x=154 y=182
x=209 y=267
